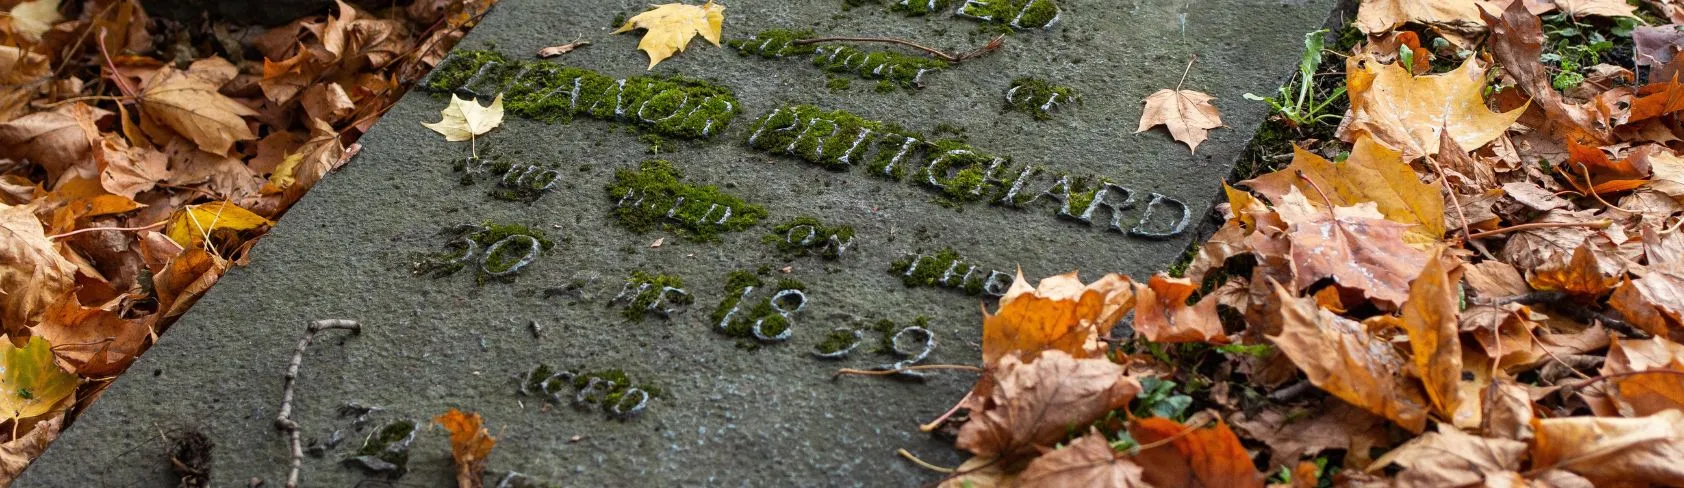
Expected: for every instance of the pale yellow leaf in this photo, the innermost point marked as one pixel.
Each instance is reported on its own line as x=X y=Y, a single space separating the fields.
x=193 y=224
x=465 y=119
x=672 y=26
x=35 y=17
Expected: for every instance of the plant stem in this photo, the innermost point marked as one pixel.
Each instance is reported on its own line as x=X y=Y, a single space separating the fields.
x=1595 y=224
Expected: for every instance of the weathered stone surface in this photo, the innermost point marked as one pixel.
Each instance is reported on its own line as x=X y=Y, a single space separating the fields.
x=766 y=414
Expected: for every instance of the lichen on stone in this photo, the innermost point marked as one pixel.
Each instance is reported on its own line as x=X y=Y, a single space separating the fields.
x=804 y=236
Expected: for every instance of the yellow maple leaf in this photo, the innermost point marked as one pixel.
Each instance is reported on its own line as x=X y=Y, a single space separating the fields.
x=1187 y=114
x=671 y=26
x=192 y=225
x=1061 y=314
x=1407 y=112
x=31 y=384
x=466 y=119
x=1373 y=173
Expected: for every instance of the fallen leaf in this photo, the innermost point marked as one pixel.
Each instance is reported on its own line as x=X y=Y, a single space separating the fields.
x=1194 y=457
x=1451 y=457
x=1353 y=245
x=1613 y=450
x=466 y=119
x=1087 y=461
x=671 y=27
x=1294 y=434
x=1534 y=196
x=1654 y=302
x=31 y=384
x=1581 y=276
x=193 y=108
x=1187 y=114
x=1034 y=404
x=92 y=342
x=282 y=80
x=1061 y=314
x=553 y=51
x=61 y=141
x=1162 y=313
x=185 y=279
x=981 y=472
x=1651 y=375
x=35 y=17
x=1431 y=319
x=1598 y=8
x=1407 y=112
x=1373 y=173
x=32 y=273
x=1495 y=279
x=470 y=446
x=22 y=73
x=1340 y=357
x=1378 y=16
x=194 y=225
x=16 y=454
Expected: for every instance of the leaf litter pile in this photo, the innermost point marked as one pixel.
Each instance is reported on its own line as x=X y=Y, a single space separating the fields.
x=140 y=157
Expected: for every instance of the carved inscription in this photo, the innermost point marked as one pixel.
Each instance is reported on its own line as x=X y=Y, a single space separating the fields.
x=947 y=269
x=646 y=294
x=513 y=181
x=611 y=391
x=653 y=196
x=1038 y=98
x=804 y=236
x=494 y=251
x=753 y=311
x=893 y=68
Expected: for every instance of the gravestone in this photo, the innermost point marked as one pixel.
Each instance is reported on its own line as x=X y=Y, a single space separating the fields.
x=650 y=277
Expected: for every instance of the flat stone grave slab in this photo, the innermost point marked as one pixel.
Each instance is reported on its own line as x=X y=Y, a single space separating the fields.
x=640 y=277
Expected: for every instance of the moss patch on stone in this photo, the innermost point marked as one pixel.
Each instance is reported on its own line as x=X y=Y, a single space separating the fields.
x=942 y=269
x=902 y=70
x=805 y=236
x=650 y=289
x=918 y=8
x=1021 y=14
x=1038 y=97
x=472 y=245
x=775 y=43
x=740 y=324
x=540 y=90
x=653 y=196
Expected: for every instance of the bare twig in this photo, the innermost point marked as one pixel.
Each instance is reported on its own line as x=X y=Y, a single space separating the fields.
x=1595 y=224
x=284 y=421
x=922 y=463
x=92 y=229
x=993 y=45
x=888 y=372
x=1454 y=200
x=1190 y=59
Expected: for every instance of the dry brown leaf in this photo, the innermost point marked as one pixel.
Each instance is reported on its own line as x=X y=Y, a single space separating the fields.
x=1654 y=302
x=193 y=108
x=1613 y=450
x=1650 y=375
x=32 y=274
x=1034 y=404
x=1431 y=319
x=1187 y=114
x=185 y=279
x=1451 y=457
x=1087 y=461
x=127 y=170
x=1581 y=276
x=16 y=454
x=470 y=446
x=1373 y=173
x=1536 y=248
x=22 y=73
x=282 y=80
x=1195 y=456
x=1508 y=410
x=1516 y=42
x=1060 y=314
x=1534 y=196
x=1293 y=435
x=980 y=472
x=1164 y=316
x=1353 y=245
x=1495 y=279
x=1379 y=16
x=1407 y=112
x=61 y=141
x=1340 y=357
x=92 y=342
x=224 y=176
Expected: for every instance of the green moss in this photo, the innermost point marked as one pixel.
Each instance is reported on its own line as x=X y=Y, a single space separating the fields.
x=1038 y=98
x=944 y=269
x=390 y=443
x=775 y=43
x=653 y=196
x=657 y=144
x=896 y=69
x=837 y=84
x=885 y=331
x=958 y=171
x=835 y=341
x=835 y=140
x=884 y=86
x=916 y=8
x=740 y=325
x=651 y=288
x=1022 y=14
x=549 y=92
x=792 y=237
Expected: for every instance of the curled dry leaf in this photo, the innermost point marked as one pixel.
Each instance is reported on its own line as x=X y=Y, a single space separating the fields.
x=1430 y=318
x=1451 y=457
x=1061 y=314
x=470 y=446
x=671 y=27
x=1340 y=357
x=62 y=141
x=1581 y=276
x=1658 y=382
x=92 y=342
x=1354 y=245
x=1194 y=456
x=32 y=273
x=22 y=73
x=1373 y=173
x=1613 y=450
x=1406 y=112
x=1187 y=114
x=192 y=107
x=1516 y=43
x=1379 y=16
x=19 y=452
x=1087 y=461
x=1030 y=405
x=1164 y=316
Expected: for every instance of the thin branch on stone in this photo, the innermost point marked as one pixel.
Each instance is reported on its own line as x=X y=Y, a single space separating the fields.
x=284 y=421
x=993 y=45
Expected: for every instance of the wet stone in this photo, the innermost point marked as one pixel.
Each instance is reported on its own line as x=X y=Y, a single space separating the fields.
x=626 y=318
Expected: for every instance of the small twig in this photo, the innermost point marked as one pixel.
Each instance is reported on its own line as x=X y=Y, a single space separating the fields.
x=284 y=421
x=116 y=75
x=1595 y=224
x=888 y=372
x=993 y=45
x=1454 y=200
x=1591 y=186
x=92 y=229
x=1532 y=298
x=1190 y=59
x=1160 y=442
x=1609 y=376
x=931 y=427
x=1547 y=351
x=923 y=464
x=1292 y=391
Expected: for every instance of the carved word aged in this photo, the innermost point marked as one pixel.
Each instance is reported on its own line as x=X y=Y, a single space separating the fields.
x=497 y=251
x=804 y=236
x=840 y=141
x=517 y=182
x=652 y=196
x=611 y=391
x=661 y=295
x=946 y=269
x=767 y=318
x=1037 y=97
x=541 y=90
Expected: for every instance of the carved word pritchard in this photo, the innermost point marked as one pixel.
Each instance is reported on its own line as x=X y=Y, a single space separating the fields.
x=541 y=90
x=841 y=141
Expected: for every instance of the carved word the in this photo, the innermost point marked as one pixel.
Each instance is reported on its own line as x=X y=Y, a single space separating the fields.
x=840 y=141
